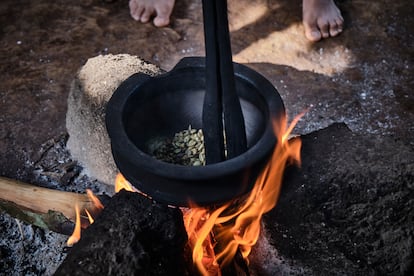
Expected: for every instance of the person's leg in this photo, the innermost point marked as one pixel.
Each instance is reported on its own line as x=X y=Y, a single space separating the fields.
x=321 y=19
x=144 y=10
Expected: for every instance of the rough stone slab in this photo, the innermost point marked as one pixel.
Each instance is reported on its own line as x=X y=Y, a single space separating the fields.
x=349 y=209
x=85 y=119
x=132 y=236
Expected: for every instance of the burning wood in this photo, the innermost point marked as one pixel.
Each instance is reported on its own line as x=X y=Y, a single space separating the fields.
x=97 y=208
x=46 y=208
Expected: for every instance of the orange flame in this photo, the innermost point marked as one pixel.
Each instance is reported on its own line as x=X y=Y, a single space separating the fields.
x=74 y=238
x=198 y=224
x=122 y=183
x=90 y=218
x=237 y=227
x=96 y=208
x=96 y=202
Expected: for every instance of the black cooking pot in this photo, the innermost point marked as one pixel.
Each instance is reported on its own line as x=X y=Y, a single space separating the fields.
x=144 y=109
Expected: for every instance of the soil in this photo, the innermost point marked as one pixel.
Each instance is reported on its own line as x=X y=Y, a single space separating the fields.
x=362 y=78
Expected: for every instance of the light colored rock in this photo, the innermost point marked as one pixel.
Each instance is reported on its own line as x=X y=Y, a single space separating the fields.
x=85 y=119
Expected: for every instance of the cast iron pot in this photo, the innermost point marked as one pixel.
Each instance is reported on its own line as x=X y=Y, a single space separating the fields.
x=144 y=109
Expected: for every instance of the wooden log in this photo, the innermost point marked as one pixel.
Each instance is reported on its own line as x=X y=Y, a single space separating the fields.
x=43 y=207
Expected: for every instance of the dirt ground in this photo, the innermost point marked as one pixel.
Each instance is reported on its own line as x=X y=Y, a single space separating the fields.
x=363 y=78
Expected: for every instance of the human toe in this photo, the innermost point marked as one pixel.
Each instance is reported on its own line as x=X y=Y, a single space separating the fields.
x=135 y=10
x=312 y=33
x=146 y=15
x=333 y=29
x=163 y=15
x=324 y=28
x=161 y=21
x=340 y=24
x=336 y=27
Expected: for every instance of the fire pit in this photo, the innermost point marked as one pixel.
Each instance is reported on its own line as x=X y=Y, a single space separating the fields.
x=146 y=109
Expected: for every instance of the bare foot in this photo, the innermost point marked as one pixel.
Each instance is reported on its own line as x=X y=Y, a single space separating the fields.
x=144 y=10
x=321 y=19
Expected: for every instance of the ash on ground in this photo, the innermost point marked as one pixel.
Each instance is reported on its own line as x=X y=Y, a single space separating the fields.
x=29 y=250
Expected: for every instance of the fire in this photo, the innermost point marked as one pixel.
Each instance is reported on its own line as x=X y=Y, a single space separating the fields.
x=198 y=223
x=96 y=208
x=74 y=238
x=122 y=183
x=90 y=217
x=216 y=236
x=235 y=226
x=97 y=203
